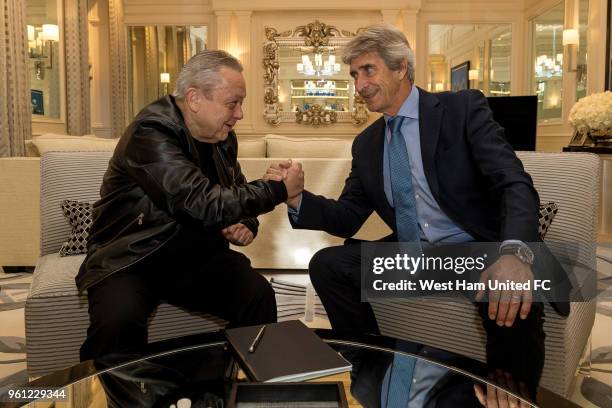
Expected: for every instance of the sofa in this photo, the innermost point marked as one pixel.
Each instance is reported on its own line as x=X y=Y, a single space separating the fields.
x=56 y=315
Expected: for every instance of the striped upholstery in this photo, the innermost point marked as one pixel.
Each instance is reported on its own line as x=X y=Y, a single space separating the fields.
x=55 y=314
x=571 y=180
x=66 y=176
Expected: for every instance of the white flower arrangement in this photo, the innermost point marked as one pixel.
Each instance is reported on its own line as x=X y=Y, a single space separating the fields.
x=593 y=114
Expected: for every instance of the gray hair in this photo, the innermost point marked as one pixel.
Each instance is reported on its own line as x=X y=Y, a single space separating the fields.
x=386 y=41
x=201 y=72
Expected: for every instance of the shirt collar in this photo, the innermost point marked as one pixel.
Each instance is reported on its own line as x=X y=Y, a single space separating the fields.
x=410 y=107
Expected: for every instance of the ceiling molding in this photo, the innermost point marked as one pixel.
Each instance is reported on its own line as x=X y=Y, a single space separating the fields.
x=275 y=5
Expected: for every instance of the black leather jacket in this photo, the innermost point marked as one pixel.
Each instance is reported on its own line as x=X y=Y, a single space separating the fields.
x=154 y=187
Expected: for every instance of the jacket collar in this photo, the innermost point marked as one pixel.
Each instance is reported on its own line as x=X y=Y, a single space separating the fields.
x=430 y=113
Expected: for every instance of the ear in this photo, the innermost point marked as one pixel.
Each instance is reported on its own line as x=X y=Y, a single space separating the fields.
x=403 y=69
x=193 y=99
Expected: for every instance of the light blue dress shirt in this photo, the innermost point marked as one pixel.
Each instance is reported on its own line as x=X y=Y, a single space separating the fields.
x=434 y=225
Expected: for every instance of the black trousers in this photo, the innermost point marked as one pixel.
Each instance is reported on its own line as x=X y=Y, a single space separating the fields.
x=335 y=273
x=221 y=282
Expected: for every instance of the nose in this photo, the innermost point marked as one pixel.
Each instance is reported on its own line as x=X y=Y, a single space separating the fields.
x=238 y=113
x=360 y=84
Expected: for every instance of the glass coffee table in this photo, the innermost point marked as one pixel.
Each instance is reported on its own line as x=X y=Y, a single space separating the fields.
x=199 y=371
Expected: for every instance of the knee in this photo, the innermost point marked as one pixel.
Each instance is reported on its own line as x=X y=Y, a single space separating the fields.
x=258 y=303
x=320 y=265
x=260 y=289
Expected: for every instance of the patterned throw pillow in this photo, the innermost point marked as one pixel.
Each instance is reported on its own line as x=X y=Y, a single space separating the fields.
x=79 y=214
x=546 y=215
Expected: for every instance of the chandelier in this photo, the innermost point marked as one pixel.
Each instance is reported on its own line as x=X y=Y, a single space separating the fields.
x=320 y=67
x=548 y=67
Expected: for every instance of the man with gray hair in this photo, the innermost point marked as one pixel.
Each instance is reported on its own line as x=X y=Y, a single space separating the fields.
x=437 y=170
x=172 y=200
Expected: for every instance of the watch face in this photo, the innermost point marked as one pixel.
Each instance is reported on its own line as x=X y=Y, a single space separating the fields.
x=525 y=255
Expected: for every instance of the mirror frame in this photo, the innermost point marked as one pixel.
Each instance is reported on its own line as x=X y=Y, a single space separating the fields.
x=314 y=35
x=46 y=124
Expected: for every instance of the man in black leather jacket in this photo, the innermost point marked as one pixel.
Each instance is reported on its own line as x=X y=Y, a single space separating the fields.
x=172 y=200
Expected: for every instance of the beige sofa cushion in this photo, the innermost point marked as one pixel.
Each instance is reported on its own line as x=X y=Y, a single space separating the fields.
x=51 y=142
x=251 y=147
x=307 y=147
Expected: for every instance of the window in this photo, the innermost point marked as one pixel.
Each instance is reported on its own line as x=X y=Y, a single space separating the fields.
x=581 y=62
x=547 y=66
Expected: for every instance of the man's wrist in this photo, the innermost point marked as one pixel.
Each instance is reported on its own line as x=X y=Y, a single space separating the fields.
x=294 y=204
x=518 y=249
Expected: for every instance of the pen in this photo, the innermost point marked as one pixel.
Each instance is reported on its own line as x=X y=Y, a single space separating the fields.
x=257 y=339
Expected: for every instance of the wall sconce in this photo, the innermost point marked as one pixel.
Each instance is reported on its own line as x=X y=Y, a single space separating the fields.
x=40 y=46
x=473 y=75
x=50 y=34
x=571 y=39
x=439 y=86
x=164 y=78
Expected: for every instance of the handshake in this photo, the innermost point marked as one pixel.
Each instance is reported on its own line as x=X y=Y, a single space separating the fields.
x=290 y=173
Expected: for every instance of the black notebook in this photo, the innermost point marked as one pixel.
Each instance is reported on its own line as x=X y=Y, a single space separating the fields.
x=288 y=351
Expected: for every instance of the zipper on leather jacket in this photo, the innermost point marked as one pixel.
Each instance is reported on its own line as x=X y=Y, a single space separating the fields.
x=138 y=220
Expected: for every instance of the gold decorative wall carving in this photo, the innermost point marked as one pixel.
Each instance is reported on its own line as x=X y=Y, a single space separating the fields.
x=314 y=37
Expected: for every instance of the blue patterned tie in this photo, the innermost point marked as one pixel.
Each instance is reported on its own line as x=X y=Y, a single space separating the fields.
x=401 y=184
x=400 y=382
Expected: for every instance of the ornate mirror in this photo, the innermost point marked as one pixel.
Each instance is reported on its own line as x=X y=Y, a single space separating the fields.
x=305 y=80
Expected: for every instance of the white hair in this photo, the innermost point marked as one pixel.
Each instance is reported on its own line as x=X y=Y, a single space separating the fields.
x=202 y=72
x=386 y=41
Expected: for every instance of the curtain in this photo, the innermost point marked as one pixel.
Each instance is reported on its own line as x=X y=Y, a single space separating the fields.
x=15 y=104
x=77 y=68
x=119 y=93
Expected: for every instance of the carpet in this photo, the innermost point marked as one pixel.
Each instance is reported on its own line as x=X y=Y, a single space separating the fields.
x=13 y=292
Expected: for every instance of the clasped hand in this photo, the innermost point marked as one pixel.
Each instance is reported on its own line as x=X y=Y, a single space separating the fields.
x=238 y=234
x=290 y=173
x=504 y=304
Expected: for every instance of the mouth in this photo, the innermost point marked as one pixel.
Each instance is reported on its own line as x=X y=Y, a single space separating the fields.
x=368 y=94
x=229 y=126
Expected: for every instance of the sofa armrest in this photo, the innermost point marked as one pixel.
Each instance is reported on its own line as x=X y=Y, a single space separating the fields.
x=19 y=211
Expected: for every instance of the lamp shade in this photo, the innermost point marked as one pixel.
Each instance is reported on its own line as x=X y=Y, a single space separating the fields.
x=473 y=74
x=50 y=32
x=570 y=36
x=164 y=78
x=31 y=33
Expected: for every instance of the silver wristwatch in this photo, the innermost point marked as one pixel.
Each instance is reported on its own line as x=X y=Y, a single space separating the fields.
x=518 y=249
